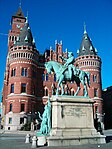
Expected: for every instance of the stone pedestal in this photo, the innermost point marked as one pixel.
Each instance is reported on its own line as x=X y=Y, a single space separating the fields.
x=72 y=122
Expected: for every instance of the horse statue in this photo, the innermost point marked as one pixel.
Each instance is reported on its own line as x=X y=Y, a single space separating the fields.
x=78 y=76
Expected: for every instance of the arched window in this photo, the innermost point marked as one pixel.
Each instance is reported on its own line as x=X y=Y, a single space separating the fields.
x=95 y=92
x=24 y=72
x=13 y=72
x=23 y=88
x=94 y=78
x=22 y=107
x=12 y=88
x=45 y=91
x=10 y=108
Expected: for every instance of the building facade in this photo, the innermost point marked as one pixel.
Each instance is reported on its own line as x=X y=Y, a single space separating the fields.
x=26 y=82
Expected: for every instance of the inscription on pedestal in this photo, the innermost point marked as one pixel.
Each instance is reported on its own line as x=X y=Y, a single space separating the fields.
x=74 y=111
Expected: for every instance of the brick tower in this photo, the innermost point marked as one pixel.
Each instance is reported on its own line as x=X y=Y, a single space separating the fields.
x=20 y=90
x=88 y=60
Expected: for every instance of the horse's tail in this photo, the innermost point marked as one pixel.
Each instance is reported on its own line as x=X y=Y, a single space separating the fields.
x=88 y=78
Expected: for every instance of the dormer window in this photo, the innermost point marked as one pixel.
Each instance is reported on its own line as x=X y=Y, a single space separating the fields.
x=85 y=38
x=83 y=48
x=26 y=39
x=91 y=48
x=28 y=28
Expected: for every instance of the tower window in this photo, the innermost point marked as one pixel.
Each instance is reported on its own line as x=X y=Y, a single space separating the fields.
x=10 y=120
x=94 y=78
x=22 y=107
x=12 y=88
x=13 y=72
x=18 y=20
x=24 y=72
x=23 y=88
x=45 y=92
x=95 y=92
x=10 y=108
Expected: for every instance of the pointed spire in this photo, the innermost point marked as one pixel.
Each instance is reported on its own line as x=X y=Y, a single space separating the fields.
x=86 y=47
x=85 y=28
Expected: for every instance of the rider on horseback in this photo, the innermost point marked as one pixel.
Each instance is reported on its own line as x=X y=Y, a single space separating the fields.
x=69 y=64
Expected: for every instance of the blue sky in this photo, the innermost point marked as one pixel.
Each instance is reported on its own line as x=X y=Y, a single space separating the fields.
x=63 y=20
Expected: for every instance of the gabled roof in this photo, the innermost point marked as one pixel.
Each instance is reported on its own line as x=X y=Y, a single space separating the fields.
x=86 y=47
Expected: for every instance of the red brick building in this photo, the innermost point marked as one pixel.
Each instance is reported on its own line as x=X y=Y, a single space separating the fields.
x=26 y=82
x=22 y=90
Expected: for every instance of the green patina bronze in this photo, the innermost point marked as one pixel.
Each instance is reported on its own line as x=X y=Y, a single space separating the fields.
x=68 y=72
x=46 y=120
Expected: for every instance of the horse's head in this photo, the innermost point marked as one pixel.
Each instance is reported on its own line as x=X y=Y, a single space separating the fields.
x=48 y=66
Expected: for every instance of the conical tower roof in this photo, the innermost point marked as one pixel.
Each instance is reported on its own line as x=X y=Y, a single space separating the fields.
x=86 y=47
x=25 y=37
x=19 y=13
